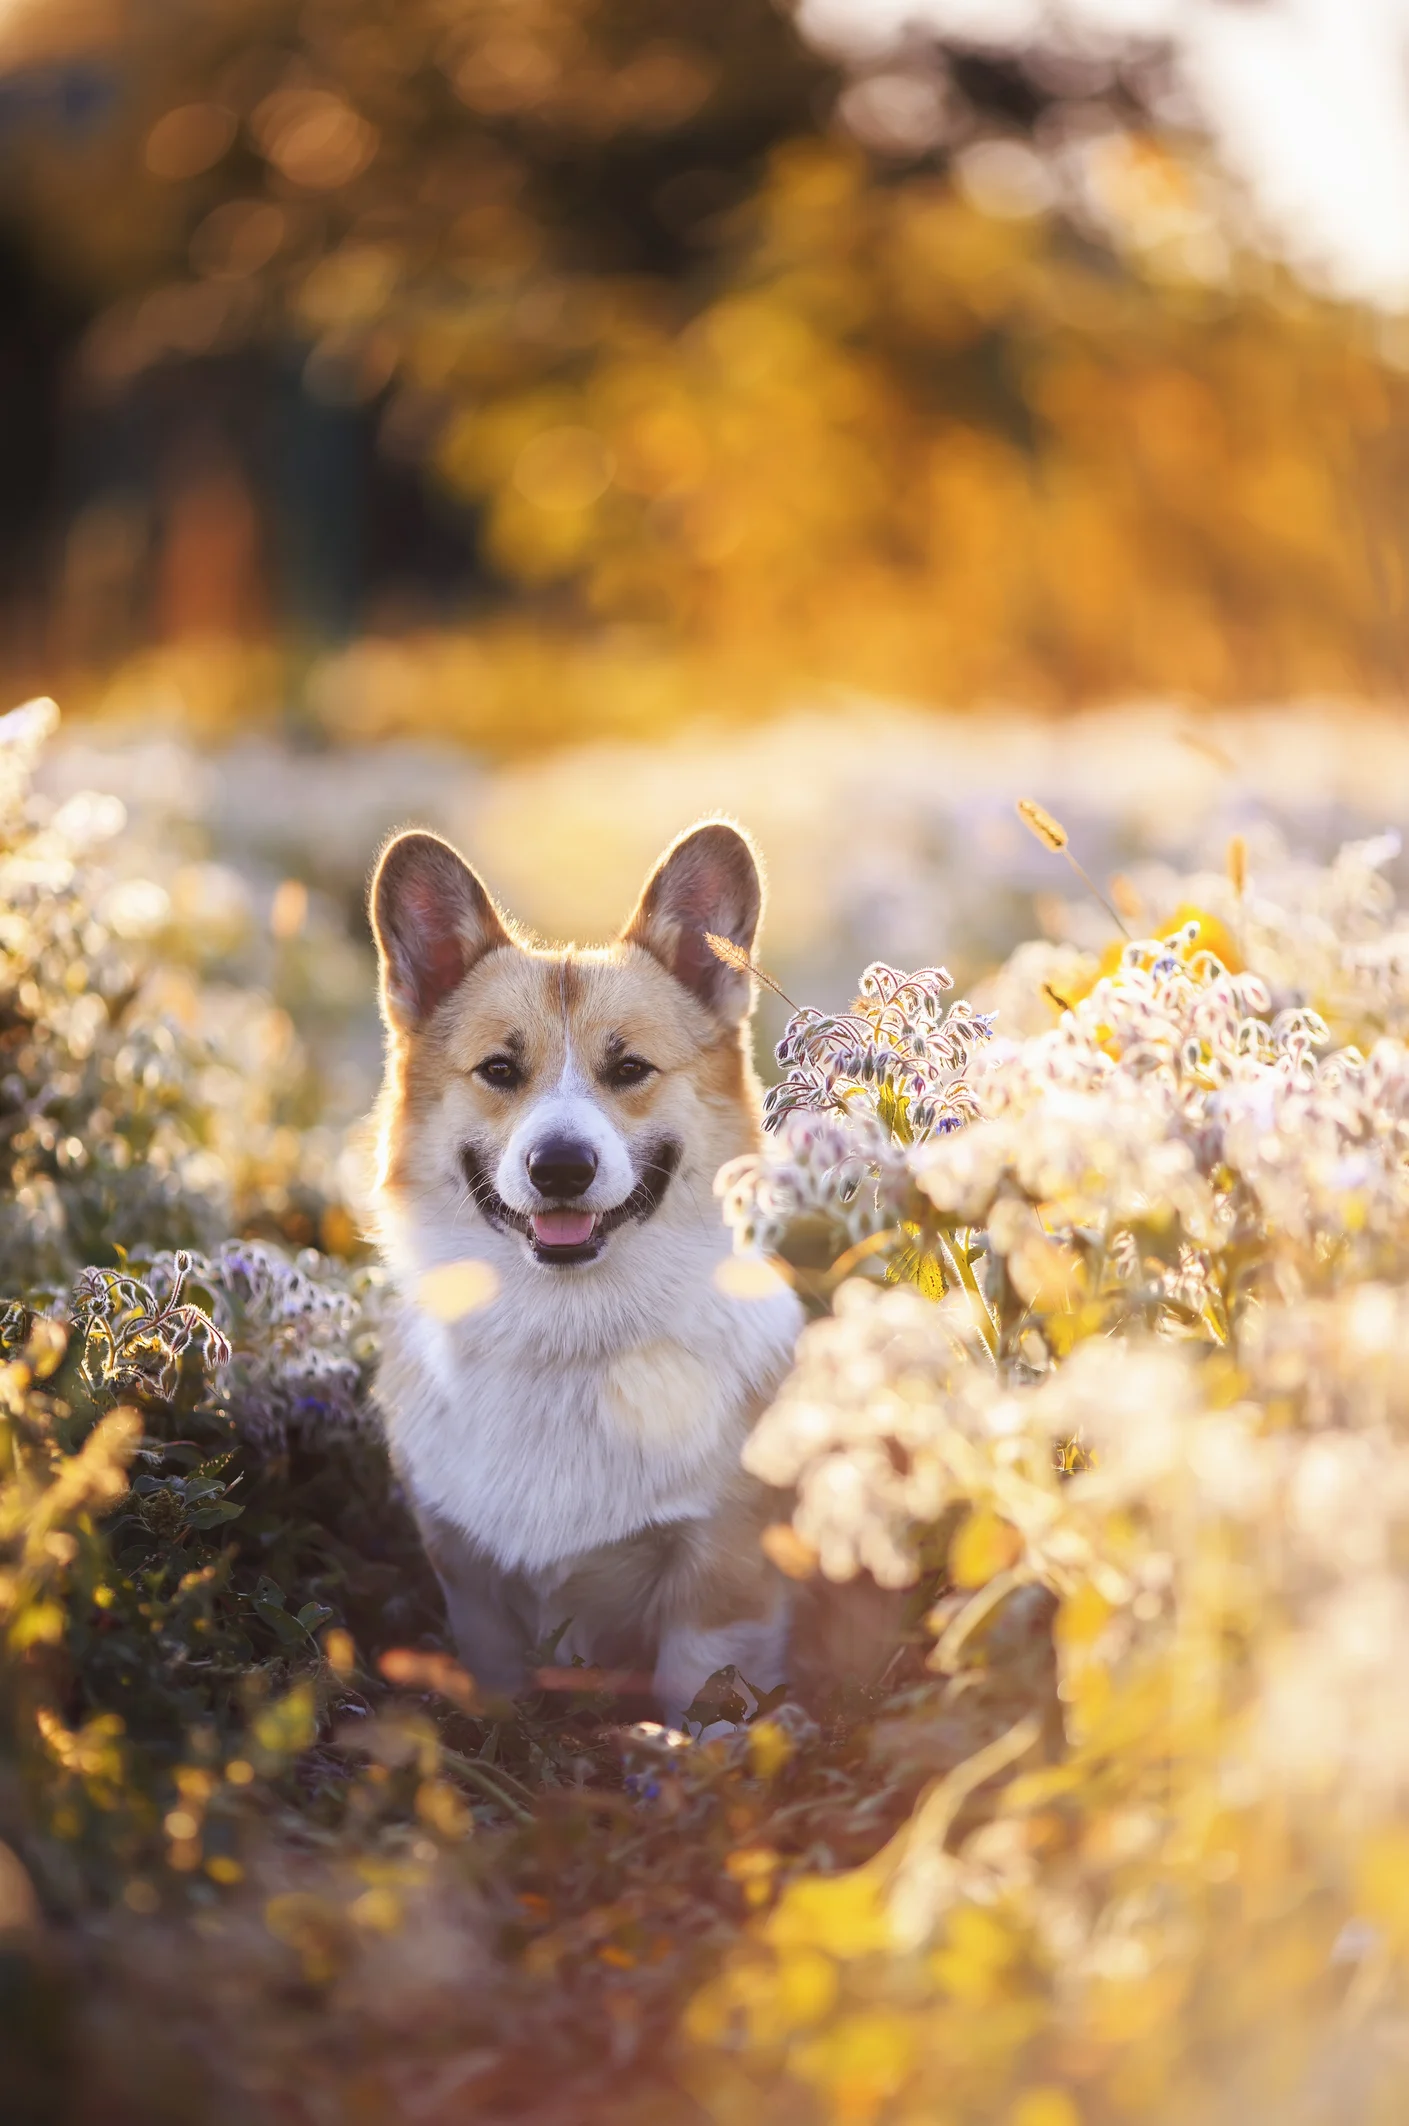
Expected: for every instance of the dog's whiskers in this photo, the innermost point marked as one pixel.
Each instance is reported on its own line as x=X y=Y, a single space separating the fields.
x=700 y=1213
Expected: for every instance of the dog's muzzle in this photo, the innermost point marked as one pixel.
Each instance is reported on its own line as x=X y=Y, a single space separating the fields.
x=562 y=1233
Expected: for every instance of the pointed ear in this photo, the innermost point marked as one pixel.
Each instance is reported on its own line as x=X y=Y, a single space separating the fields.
x=707 y=881
x=432 y=920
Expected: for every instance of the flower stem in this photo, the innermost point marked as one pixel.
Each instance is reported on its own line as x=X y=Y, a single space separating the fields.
x=955 y=1250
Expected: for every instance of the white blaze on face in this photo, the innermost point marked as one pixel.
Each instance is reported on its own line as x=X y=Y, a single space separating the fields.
x=570 y=1113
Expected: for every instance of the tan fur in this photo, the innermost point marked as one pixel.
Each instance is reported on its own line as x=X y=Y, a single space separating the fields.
x=707 y=1081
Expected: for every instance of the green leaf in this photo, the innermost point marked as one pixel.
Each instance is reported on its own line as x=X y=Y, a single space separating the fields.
x=921 y=1267
x=202 y=1487
x=214 y=1516
x=285 y=1628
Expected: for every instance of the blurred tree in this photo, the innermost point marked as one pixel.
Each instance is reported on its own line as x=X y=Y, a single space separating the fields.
x=938 y=376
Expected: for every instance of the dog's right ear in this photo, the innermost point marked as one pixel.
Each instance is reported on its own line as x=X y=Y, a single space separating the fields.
x=433 y=921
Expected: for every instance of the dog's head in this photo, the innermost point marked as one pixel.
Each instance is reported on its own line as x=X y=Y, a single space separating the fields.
x=553 y=1103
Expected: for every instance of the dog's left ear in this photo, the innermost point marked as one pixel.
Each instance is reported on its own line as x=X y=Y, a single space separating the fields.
x=707 y=881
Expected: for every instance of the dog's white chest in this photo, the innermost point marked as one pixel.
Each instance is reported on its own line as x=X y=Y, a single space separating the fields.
x=539 y=1460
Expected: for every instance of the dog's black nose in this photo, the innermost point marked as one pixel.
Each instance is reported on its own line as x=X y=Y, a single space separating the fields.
x=561 y=1166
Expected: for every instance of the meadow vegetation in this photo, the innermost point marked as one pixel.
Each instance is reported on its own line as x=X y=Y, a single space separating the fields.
x=1106 y=1280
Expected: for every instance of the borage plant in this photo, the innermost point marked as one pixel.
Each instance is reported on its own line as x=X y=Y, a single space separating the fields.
x=861 y=1092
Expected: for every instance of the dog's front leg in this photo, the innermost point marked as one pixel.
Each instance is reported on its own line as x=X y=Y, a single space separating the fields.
x=689 y=1654
x=489 y=1610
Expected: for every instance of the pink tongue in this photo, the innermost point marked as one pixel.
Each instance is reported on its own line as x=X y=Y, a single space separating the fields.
x=563 y=1229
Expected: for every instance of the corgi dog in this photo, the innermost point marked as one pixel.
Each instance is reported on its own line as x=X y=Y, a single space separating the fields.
x=551 y=1122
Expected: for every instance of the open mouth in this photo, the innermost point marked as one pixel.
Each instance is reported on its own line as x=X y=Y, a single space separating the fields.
x=563 y=1233
x=562 y=1229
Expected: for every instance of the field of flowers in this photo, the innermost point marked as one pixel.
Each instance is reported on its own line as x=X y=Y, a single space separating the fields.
x=1107 y=1272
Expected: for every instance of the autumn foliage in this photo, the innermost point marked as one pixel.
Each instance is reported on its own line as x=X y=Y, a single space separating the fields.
x=739 y=408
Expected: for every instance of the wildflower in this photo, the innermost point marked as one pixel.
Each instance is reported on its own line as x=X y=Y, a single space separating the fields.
x=899 y=1055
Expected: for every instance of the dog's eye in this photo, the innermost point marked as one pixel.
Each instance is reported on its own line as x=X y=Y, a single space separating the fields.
x=630 y=1070
x=502 y=1072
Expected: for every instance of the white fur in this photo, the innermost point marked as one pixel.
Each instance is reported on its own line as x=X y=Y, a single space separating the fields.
x=570 y=1111
x=569 y=1412
x=689 y=1656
